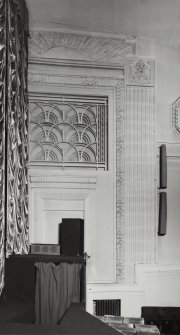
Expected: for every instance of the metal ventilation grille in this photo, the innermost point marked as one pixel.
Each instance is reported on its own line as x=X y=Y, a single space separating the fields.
x=107 y=307
x=69 y=131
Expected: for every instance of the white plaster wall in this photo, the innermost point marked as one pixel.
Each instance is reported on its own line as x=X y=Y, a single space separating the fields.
x=167 y=91
x=104 y=234
x=156 y=285
x=168 y=245
x=132 y=297
x=51 y=201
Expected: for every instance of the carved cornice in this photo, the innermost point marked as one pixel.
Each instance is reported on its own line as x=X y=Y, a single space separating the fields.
x=139 y=71
x=82 y=47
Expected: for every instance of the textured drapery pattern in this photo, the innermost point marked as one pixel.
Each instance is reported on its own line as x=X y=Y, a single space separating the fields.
x=57 y=286
x=17 y=141
x=2 y=134
x=13 y=130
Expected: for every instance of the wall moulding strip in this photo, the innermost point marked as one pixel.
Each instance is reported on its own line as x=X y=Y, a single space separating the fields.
x=57 y=179
x=77 y=63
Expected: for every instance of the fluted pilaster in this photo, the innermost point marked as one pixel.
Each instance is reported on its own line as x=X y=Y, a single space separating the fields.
x=140 y=172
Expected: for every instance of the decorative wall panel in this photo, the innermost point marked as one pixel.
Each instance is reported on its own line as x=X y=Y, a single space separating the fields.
x=69 y=131
x=155 y=280
x=139 y=71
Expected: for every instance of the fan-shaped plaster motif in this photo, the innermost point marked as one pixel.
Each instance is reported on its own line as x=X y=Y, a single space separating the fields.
x=65 y=132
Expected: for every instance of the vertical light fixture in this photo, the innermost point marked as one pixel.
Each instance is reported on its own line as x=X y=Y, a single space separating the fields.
x=162 y=227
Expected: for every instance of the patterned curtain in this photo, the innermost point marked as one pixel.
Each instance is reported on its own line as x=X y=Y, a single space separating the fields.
x=14 y=130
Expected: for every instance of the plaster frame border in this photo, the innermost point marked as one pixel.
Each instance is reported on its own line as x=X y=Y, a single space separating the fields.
x=118 y=85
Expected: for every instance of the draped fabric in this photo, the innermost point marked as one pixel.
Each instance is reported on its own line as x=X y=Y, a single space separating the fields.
x=57 y=286
x=13 y=130
x=17 y=135
x=2 y=135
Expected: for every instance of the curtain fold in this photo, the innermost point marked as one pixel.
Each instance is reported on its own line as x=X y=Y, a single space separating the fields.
x=13 y=130
x=57 y=286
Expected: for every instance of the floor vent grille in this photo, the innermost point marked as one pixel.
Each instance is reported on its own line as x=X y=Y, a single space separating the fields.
x=107 y=307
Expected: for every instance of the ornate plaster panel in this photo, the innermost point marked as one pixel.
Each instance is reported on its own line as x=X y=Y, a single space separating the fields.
x=139 y=71
x=70 y=131
x=61 y=45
